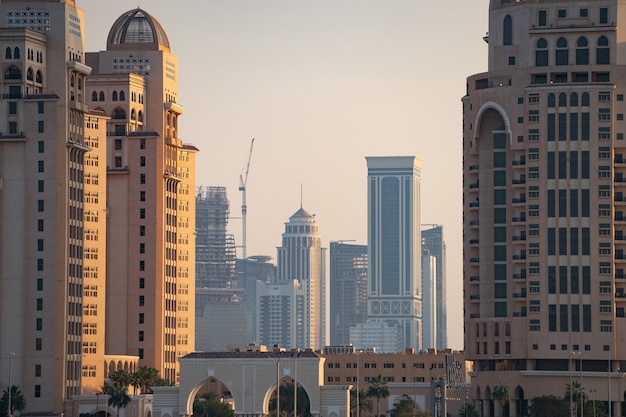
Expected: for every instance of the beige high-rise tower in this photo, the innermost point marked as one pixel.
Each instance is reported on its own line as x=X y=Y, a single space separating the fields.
x=544 y=191
x=42 y=148
x=151 y=196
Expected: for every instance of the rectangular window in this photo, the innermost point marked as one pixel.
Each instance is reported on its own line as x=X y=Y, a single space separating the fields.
x=142 y=283
x=604 y=210
x=142 y=178
x=37 y=391
x=38 y=343
x=604 y=133
x=142 y=144
x=535 y=326
x=604 y=15
x=562 y=13
x=533 y=173
x=535 y=306
x=12 y=107
x=40 y=107
x=542 y=18
x=40 y=146
x=604 y=248
x=142 y=301
x=533 y=154
x=583 y=12
x=40 y=128
x=142 y=161
x=533 y=135
x=563 y=317
x=533 y=191
x=141 y=335
x=40 y=205
x=604 y=229
x=533 y=98
x=533 y=210
x=40 y=166
x=39 y=323
x=40 y=225
x=40 y=187
x=142 y=196
x=141 y=318
x=118 y=144
x=142 y=230
x=533 y=116
x=142 y=213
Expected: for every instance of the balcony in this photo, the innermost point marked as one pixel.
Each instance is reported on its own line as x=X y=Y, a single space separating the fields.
x=474 y=241
x=519 y=200
x=474 y=297
x=519 y=238
x=474 y=168
x=519 y=276
x=474 y=186
x=517 y=219
x=474 y=223
x=474 y=278
x=519 y=181
x=474 y=260
x=474 y=316
x=519 y=163
x=474 y=204
x=519 y=314
x=519 y=295
x=519 y=257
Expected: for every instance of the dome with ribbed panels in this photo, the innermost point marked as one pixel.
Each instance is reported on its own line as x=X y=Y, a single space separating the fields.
x=137 y=29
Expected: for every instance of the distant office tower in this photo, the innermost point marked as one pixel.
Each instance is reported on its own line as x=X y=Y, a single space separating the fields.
x=42 y=171
x=382 y=337
x=281 y=313
x=544 y=203
x=429 y=300
x=432 y=240
x=301 y=257
x=395 y=244
x=249 y=271
x=220 y=308
x=348 y=289
x=150 y=196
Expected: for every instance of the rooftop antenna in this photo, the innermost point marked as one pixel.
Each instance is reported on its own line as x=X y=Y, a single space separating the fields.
x=243 y=180
x=300 y=195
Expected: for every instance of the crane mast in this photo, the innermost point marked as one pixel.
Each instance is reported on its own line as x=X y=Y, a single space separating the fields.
x=243 y=180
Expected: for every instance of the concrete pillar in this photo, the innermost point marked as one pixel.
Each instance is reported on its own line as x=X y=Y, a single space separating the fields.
x=513 y=406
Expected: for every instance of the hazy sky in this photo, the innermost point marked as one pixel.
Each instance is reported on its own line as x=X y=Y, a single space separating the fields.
x=320 y=85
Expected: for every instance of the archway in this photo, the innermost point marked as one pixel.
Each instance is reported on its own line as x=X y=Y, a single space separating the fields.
x=289 y=400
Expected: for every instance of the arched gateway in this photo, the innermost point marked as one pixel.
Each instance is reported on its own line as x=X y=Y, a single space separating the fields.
x=251 y=377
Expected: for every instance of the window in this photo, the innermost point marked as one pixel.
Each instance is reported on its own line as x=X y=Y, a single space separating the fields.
x=604 y=229
x=141 y=335
x=562 y=53
x=606 y=326
x=142 y=230
x=533 y=210
x=141 y=318
x=604 y=15
x=582 y=51
x=37 y=391
x=533 y=154
x=38 y=343
x=533 y=98
x=40 y=166
x=118 y=162
x=535 y=326
x=604 y=248
x=535 y=306
x=142 y=283
x=101 y=95
x=604 y=152
x=605 y=306
x=604 y=210
x=40 y=146
x=604 y=172
x=605 y=268
x=583 y=12
x=142 y=196
x=603 y=51
x=542 y=18
x=533 y=116
x=507 y=29
x=142 y=301
x=142 y=161
x=604 y=114
x=533 y=173
x=118 y=144
x=561 y=13
x=541 y=53
x=534 y=287
x=142 y=178
x=142 y=213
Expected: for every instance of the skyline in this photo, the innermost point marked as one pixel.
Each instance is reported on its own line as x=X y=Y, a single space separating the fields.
x=320 y=87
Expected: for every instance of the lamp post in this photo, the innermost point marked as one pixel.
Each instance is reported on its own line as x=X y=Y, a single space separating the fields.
x=97 y=403
x=465 y=404
x=10 y=386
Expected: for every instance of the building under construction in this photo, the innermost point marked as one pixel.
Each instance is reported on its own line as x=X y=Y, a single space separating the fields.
x=219 y=303
x=215 y=248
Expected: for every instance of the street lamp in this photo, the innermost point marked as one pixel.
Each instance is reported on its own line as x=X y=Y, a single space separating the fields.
x=10 y=393
x=465 y=404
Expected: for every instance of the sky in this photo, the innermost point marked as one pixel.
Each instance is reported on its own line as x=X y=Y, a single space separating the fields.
x=320 y=85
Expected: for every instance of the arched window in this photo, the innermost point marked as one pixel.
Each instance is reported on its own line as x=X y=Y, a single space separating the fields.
x=507 y=29
x=562 y=100
x=140 y=116
x=118 y=113
x=602 y=52
x=585 y=99
x=16 y=53
x=29 y=74
x=541 y=53
x=551 y=100
x=101 y=95
x=114 y=96
x=562 y=53
x=72 y=81
x=133 y=114
x=7 y=53
x=573 y=100
x=122 y=95
x=582 y=51
x=38 y=77
x=13 y=73
x=79 y=80
x=94 y=96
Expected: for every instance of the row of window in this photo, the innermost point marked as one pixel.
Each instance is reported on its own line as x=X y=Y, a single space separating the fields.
x=581 y=55
x=115 y=96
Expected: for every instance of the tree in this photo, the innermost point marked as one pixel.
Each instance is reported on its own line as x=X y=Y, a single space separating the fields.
x=406 y=407
x=365 y=402
x=286 y=401
x=576 y=393
x=210 y=405
x=500 y=393
x=468 y=409
x=18 y=402
x=549 y=406
x=379 y=389
x=118 y=394
x=145 y=377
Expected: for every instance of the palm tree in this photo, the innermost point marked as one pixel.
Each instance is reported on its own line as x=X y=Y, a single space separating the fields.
x=576 y=394
x=118 y=394
x=18 y=402
x=365 y=402
x=379 y=389
x=145 y=377
x=501 y=394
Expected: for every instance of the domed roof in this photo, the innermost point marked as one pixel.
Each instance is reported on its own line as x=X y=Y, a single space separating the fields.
x=137 y=28
x=301 y=214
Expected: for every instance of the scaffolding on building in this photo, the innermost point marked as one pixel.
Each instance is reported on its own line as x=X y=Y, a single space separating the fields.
x=215 y=248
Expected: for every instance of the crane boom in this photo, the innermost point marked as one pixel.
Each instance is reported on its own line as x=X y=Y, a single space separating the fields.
x=243 y=180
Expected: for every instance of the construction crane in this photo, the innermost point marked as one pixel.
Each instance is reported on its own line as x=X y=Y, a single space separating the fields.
x=243 y=180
